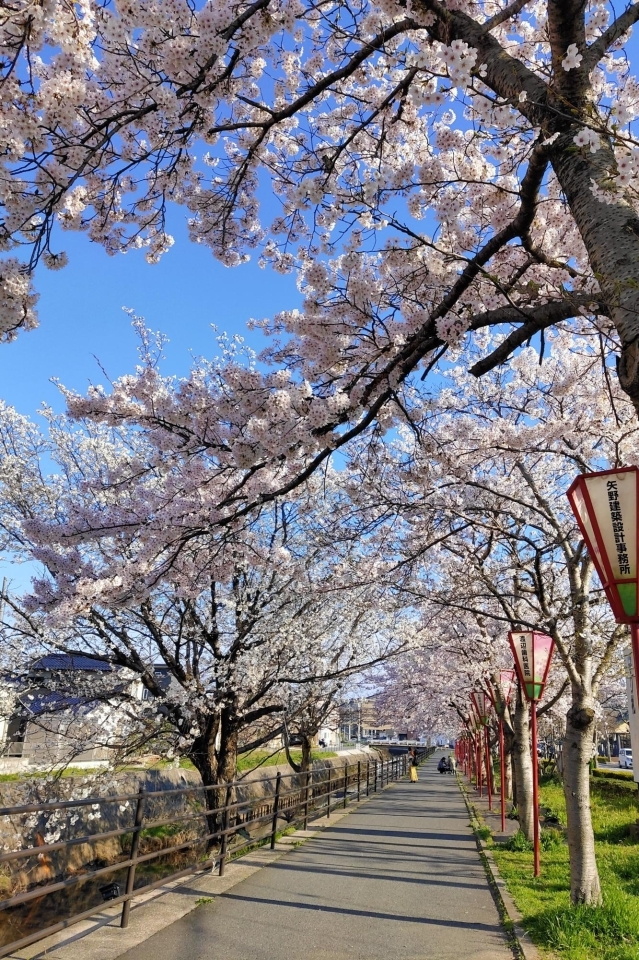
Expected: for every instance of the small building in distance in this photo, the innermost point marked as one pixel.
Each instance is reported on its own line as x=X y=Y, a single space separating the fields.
x=362 y=718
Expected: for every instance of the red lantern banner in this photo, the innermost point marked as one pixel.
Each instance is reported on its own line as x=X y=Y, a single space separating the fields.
x=605 y=507
x=481 y=701
x=533 y=652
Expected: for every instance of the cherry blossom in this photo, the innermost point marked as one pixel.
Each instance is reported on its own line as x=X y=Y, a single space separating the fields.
x=417 y=153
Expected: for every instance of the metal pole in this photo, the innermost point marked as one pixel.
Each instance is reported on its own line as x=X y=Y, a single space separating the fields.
x=345 y=784
x=225 y=826
x=328 y=796
x=133 y=853
x=375 y=784
x=478 y=763
x=488 y=783
x=276 y=807
x=359 y=779
x=368 y=778
x=537 y=868
x=502 y=775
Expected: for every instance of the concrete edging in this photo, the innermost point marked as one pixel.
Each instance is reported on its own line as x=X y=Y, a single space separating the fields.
x=511 y=917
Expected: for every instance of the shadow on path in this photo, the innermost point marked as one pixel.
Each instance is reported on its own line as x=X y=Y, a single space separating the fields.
x=361 y=890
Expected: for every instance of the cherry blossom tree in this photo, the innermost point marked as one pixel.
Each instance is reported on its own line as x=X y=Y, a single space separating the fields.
x=494 y=464
x=244 y=633
x=465 y=652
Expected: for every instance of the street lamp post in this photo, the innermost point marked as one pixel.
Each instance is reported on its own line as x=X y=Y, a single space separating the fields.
x=533 y=652
x=476 y=730
x=472 y=745
x=482 y=708
x=506 y=680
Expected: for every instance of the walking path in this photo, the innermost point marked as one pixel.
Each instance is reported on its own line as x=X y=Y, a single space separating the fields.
x=399 y=878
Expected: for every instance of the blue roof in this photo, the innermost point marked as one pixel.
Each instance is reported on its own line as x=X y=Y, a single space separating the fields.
x=68 y=661
x=51 y=702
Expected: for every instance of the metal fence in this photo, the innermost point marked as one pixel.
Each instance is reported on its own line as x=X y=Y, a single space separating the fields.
x=222 y=832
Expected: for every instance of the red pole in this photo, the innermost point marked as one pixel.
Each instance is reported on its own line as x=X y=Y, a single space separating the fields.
x=488 y=783
x=478 y=762
x=537 y=868
x=502 y=775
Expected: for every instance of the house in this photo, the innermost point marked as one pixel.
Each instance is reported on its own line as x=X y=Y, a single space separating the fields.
x=62 y=698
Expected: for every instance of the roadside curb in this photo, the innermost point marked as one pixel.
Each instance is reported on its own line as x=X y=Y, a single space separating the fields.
x=511 y=918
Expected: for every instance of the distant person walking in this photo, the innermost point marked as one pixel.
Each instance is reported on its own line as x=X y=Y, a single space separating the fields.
x=412 y=760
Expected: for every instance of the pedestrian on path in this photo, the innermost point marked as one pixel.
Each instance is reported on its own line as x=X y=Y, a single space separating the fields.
x=412 y=760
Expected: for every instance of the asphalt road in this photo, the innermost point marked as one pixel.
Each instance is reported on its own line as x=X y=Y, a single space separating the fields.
x=398 y=879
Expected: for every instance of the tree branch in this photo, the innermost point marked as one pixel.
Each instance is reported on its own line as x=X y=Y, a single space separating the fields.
x=617 y=28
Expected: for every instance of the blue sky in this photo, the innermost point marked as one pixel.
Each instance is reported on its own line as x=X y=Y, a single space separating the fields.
x=81 y=319
x=81 y=314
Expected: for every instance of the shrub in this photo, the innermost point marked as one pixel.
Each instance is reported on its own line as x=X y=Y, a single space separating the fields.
x=518 y=843
x=613 y=775
x=551 y=839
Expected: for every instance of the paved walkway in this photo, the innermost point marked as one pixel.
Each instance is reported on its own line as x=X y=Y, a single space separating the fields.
x=397 y=879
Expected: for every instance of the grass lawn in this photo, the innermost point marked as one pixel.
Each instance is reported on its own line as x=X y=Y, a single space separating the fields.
x=264 y=758
x=610 y=932
x=248 y=761
x=41 y=774
x=257 y=758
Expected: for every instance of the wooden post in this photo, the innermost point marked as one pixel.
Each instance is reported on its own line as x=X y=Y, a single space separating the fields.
x=133 y=853
x=276 y=807
x=359 y=779
x=368 y=778
x=375 y=783
x=225 y=826
x=328 y=795
x=345 y=784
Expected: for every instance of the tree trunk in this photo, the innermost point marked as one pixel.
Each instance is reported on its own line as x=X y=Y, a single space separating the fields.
x=577 y=752
x=508 y=767
x=610 y=233
x=522 y=767
x=214 y=755
x=509 y=742
x=307 y=751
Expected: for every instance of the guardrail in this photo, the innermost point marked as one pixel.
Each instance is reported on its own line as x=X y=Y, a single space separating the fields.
x=234 y=826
